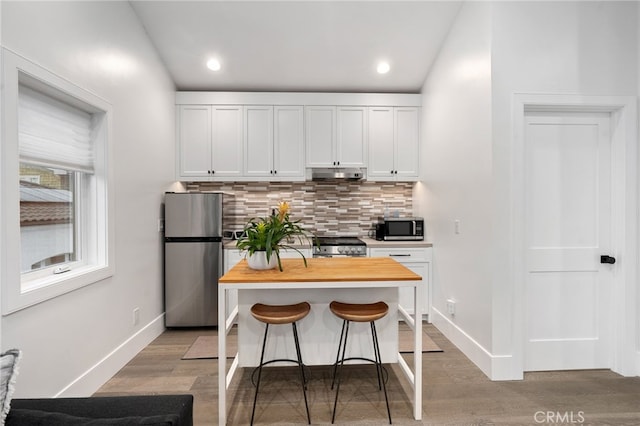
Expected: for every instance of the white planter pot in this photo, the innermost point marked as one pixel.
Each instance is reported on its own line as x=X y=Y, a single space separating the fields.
x=258 y=260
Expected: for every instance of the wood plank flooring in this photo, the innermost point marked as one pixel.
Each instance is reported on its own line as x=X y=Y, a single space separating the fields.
x=455 y=391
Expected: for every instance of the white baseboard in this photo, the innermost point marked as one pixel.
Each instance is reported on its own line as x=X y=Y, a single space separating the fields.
x=496 y=367
x=91 y=380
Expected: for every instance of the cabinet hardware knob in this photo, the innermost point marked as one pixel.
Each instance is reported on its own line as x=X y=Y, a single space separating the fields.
x=275 y=172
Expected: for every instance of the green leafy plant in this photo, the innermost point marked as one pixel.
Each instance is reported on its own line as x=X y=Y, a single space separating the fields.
x=272 y=233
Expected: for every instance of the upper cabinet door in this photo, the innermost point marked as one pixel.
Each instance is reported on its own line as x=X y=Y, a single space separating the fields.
x=288 y=142
x=407 y=142
x=258 y=141
x=381 y=145
x=320 y=126
x=394 y=137
x=227 y=141
x=351 y=147
x=194 y=141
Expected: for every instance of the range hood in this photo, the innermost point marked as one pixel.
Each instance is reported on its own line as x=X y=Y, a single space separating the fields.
x=330 y=173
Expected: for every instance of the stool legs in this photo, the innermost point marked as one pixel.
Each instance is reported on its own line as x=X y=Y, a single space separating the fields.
x=344 y=349
x=378 y=361
x=374 y=334
x=335 y=366
x=255 y=397
x=304 y=386
x=302 y=376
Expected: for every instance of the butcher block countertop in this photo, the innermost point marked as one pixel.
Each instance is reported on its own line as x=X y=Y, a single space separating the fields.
x=323 y=270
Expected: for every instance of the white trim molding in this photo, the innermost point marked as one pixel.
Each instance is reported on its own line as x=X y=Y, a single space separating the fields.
x=92 y=379
x=624 y=310
x=480 y=356
x=298 y=98
x=100 y=264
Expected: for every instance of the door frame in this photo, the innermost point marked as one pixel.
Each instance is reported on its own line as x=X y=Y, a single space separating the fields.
x=624 y=216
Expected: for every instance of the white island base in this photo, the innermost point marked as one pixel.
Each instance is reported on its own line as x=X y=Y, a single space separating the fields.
x=351 y=280
x=319 y=332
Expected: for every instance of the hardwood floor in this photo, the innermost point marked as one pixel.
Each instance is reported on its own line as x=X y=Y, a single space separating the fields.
x=455 y=391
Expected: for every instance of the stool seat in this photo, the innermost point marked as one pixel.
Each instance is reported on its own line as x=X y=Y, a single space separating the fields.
x=280 y=314
x=359 y=312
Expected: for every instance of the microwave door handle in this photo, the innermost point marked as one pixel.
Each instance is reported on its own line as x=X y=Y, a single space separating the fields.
x=414 y=227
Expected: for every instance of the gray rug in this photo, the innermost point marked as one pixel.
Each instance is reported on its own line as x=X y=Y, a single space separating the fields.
x=206 y=347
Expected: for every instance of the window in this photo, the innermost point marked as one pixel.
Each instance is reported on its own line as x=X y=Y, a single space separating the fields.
x=48 y=220
x=55 y=177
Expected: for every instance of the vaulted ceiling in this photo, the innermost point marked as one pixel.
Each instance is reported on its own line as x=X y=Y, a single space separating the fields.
x=311 y=46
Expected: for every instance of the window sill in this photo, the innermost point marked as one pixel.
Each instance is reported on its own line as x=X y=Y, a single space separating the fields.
x=43 y=289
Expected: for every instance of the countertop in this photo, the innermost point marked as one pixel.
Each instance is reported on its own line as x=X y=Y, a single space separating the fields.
x=323 y=270
x=371 y=243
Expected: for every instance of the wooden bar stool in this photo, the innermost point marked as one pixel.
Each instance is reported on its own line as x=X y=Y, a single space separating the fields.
x=363 y=312
x=281 y=314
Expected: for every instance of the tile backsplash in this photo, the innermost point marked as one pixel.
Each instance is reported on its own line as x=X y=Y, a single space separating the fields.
x=326 y=208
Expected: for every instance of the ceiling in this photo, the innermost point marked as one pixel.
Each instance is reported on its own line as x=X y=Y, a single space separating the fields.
x=310 y=46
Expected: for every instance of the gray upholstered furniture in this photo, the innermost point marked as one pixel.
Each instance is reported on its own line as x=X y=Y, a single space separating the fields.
x=158 y=410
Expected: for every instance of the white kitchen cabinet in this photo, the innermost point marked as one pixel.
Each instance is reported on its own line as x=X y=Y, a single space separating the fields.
x=194 y=141
x=258 y=141
x=394 y=137
x=336 y=136
x=209 y=141
x=418 y=259
x=273 y=142
x=288 y=143
x=320 y=130
x=351 y=140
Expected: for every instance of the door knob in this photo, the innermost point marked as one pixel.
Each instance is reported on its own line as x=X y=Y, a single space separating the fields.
x=607 y=259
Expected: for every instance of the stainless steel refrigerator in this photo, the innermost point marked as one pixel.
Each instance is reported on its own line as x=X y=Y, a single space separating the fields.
x=192 y=258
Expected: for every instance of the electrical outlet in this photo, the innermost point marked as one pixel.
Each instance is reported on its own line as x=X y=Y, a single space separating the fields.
x=451 y=306
x=136 y=316
x=456 y=226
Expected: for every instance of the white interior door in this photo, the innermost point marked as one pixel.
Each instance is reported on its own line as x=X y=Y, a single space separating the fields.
x=568 y=229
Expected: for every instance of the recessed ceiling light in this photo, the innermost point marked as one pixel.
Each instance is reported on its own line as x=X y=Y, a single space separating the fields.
x=383 y=67
x=213 y=64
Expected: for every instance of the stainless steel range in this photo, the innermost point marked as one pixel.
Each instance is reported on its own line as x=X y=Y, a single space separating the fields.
x=340 y=247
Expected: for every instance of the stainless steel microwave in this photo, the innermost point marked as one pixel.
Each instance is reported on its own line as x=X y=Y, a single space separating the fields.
x=400 y=229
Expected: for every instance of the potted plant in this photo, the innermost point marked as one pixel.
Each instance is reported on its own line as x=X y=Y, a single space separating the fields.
x=263 y=238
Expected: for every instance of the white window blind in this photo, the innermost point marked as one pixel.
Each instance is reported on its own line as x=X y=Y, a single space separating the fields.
x=53 y=133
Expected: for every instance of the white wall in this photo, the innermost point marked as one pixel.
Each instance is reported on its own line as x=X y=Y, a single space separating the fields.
x=456 y=175
x=75 y=342
x=587 y=48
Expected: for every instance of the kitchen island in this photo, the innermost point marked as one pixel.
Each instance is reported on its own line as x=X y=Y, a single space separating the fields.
x=350 y=279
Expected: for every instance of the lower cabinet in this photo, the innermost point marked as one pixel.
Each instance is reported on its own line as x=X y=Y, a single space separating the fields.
x=233 y=256
x=418 y=259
